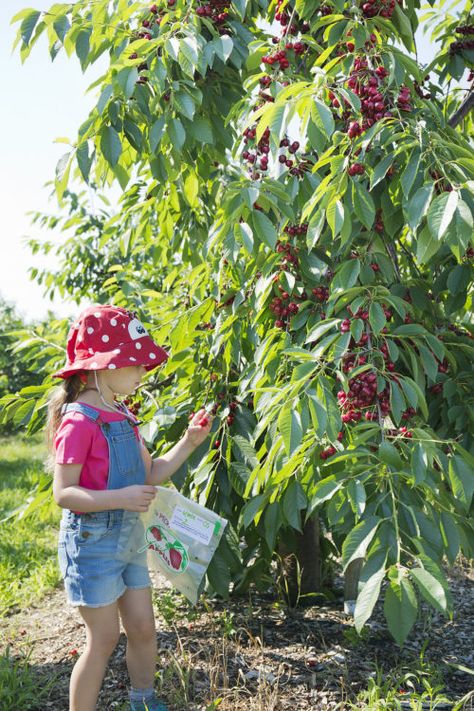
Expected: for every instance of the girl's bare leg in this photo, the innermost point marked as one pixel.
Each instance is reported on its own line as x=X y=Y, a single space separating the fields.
x=102 y=634
x=136 y=611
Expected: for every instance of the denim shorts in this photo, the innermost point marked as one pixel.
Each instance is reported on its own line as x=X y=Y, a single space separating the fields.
x=98 y=556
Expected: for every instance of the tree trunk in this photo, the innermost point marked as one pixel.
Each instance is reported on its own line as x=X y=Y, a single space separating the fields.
x=301 y=564
x=351 y=584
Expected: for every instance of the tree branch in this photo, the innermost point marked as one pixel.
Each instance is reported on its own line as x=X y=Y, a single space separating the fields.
x=466 y=106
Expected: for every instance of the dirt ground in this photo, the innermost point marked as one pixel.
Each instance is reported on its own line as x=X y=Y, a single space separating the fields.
x=252 y=653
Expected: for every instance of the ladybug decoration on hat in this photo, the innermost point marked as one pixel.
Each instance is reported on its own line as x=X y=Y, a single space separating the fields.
x=107 y=337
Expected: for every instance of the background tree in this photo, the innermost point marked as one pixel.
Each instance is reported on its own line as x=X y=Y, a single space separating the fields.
x=14 y=372
x=304 y=196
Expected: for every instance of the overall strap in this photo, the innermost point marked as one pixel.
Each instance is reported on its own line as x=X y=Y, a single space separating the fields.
x=84 y=409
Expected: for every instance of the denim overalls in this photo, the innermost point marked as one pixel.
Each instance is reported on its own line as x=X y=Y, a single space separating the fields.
x=98 y=551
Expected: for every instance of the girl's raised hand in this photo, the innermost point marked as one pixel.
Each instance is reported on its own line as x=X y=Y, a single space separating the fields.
x=199 y=427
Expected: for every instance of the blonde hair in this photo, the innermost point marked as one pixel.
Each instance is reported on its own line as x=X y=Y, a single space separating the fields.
x=65 y=393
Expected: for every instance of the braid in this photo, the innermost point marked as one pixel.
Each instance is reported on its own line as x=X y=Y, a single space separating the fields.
x=65 y=393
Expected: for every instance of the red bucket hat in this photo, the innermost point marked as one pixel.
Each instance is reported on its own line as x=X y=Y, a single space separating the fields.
x=108 y=337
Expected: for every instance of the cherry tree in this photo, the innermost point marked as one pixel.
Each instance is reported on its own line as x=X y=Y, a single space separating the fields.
x=295 y=224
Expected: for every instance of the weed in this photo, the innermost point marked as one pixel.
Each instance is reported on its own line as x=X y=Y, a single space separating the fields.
x=19 y=687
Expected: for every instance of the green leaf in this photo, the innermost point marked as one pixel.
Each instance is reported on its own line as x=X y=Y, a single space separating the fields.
x=264 y=229
x=409 y=329
x=133 y=134
x=224 y=46
x=184 y=104
x=28 y=25
x=381 y=170
x=409 y=174
x=272 y=523
x=347 y=274
x=324 y=490
x=367 y=598
x=251 y=509
x=189 y=48
x=357 y=496
x=335 y=216
x=319 y=415
x=450 y=535
x=459 y=279
x=376 y=317
x=156 y=131
x=320 y=329
x=84 y=160
x=83 y=47
x=441 y=213
x=315 y=228
x=289 y=425
x=323 y=118
x=418 y=205
x=244 y=233
x=401 y=608
x=389 y=454
x=61 y=26
x=430 y=588
x=191 y=189
x=201 y=130
x=176 y=133
x=363 y=204
x=461 y=476
x=419 y=462
x=397 y=401
x=358 y=540
x=110 y=145
x=294 y=500
x=426 y=246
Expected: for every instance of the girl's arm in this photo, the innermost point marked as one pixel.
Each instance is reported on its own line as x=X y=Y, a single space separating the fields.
x=69 y=495
x=162 y=468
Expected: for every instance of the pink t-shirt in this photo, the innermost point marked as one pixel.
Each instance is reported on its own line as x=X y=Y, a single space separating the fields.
x=79 y=440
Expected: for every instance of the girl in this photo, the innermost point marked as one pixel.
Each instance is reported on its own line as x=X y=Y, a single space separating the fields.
x=103 y=479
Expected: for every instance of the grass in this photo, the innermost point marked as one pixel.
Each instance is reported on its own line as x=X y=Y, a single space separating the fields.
x=28 y=565
x=19 y=688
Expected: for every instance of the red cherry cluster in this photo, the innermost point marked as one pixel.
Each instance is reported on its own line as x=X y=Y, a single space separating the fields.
x=293 y=230
x=465 y=30
x=284 y=18
x=443 y=366
x=440 y=183
x=362 y=394
x=328 y=452
x=384 y=8
x=289 y=256
x=321 y=293
x=369 y=86
x=378 y=224
x=232 y=407
x=134 y=407
x=461 y=45
x=301 y=165
x=154 y=17
x=356 y=169
x=217 y=12
x=262 y=149
x=403 y=101
x=401 y=431
x=283 y=307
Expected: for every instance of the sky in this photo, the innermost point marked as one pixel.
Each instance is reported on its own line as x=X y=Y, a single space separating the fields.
x=41 y=100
